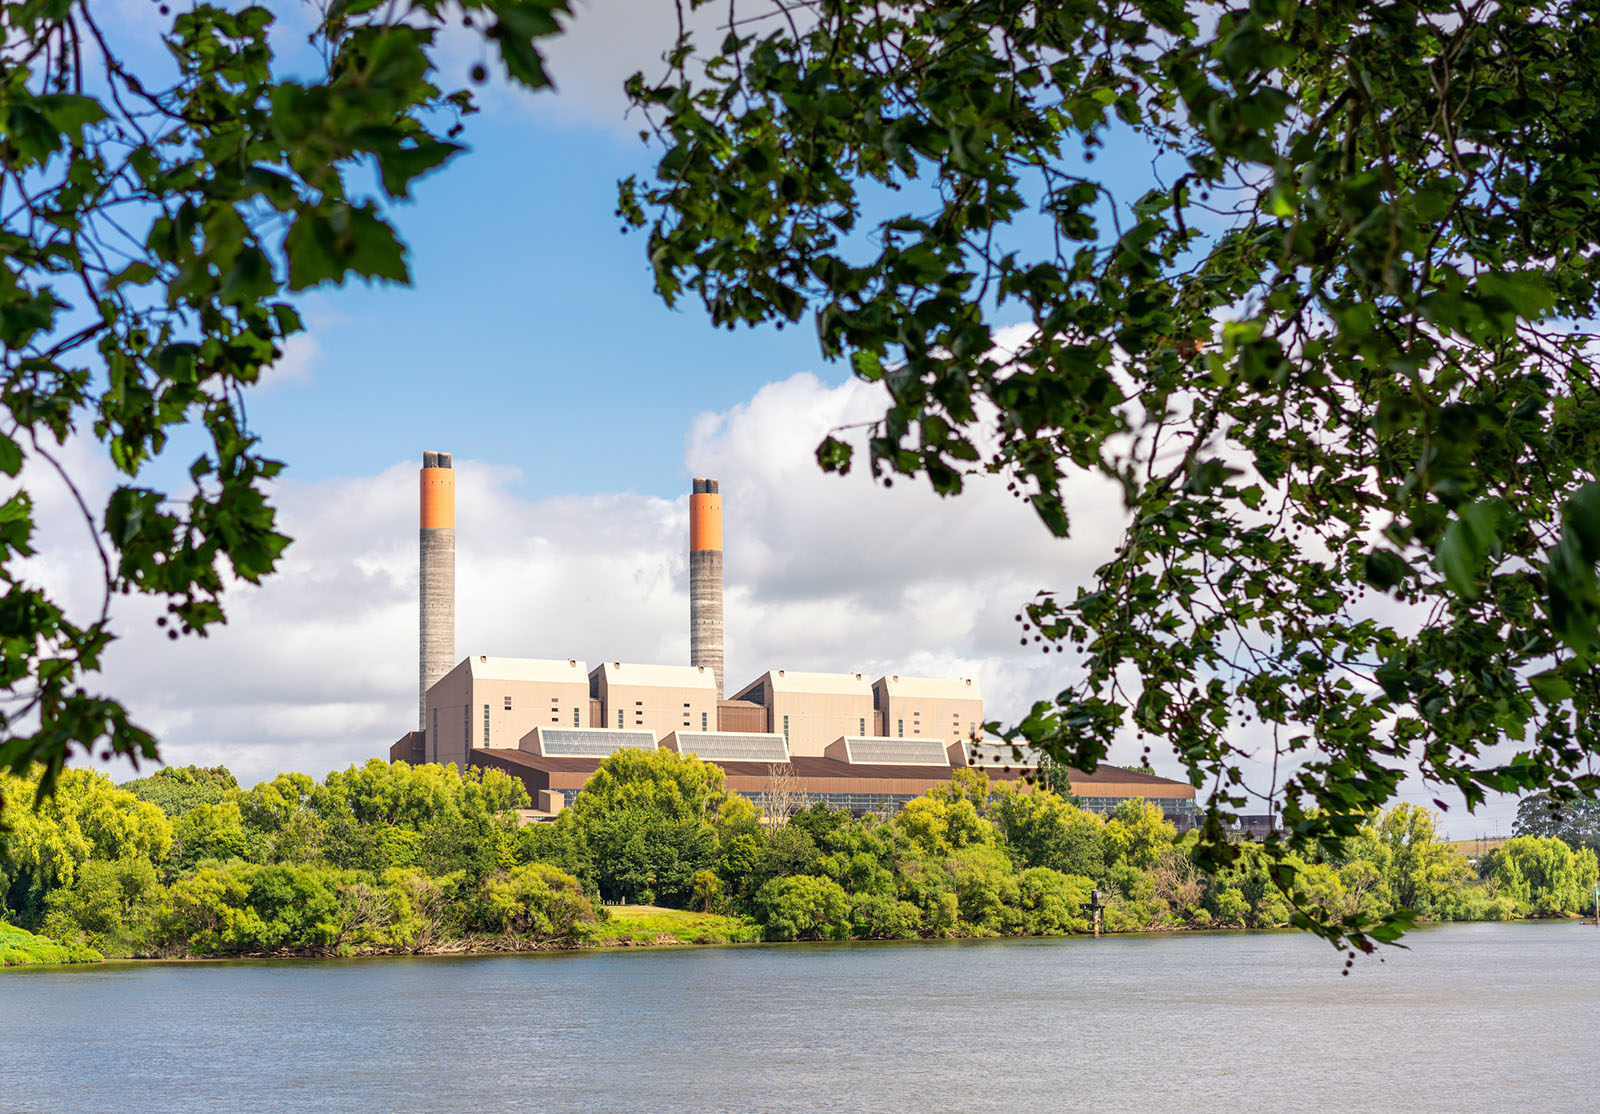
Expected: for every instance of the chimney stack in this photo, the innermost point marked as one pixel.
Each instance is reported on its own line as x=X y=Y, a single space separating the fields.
x=437 y=642
x=705 y=578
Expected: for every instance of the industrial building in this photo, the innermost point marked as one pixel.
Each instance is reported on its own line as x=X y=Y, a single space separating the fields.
x=844 y=739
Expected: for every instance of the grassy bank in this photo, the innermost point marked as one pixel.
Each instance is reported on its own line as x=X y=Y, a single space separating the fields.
x=19 y=949
x=631 y=925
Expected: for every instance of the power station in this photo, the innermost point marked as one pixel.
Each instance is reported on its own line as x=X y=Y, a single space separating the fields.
x=847 y=740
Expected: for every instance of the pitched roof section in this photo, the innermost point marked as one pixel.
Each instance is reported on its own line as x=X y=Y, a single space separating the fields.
x=486 y=668
x=660 y=676
x=932 y=688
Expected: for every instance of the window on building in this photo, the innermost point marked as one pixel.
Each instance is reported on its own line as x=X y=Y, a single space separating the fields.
x=638 y=703
x=486 y=725
x=575 y=722
x=436 y=734
x=705 y=718
x=863 y=730
x=620 y=724
x=508 y=703
x=900 y=727
x=685 y=703
x=786 y=728
x=466 y=726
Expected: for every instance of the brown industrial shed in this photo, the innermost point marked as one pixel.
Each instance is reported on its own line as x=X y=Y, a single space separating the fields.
x=861 y=788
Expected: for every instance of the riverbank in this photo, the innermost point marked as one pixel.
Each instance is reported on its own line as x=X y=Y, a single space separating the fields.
x=629 y=927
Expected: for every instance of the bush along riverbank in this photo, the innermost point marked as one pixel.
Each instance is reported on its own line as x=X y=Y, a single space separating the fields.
x=399 y=859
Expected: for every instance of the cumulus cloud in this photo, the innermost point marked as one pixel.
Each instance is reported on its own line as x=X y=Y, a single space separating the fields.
x=317 y=668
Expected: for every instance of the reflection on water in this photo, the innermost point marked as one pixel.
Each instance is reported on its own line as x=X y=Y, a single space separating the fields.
x=1472 y=1018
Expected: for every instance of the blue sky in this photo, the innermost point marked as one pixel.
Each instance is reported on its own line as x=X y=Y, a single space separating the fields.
x=530 y=314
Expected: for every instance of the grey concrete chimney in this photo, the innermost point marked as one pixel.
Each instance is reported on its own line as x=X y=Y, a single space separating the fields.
x=705 y=578
x=437 y=567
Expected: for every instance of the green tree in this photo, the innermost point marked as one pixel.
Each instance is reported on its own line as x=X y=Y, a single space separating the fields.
x=175 y=790
x=1546 y=876
x=1042 y=830
x=1052 y=902
x=157 y=221
x=1418 y=870
x=1334 y=346
x=803 y=907
x=647 y=822
x=1137 y=834
x=1575 y=822
x=87 y=819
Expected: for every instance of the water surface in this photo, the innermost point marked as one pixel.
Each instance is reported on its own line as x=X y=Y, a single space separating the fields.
x=1471 y=1018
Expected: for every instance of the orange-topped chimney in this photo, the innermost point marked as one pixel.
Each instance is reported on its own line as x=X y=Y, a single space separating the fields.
x=437 y=578
x=705 y=578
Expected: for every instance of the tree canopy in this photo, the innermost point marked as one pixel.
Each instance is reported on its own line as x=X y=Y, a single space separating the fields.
x=157 y=217
x=1333 y=348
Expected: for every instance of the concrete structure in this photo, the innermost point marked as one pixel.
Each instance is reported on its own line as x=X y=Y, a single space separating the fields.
x=811 y=710
x=914 y=707
x=705 y=578
x=659 y=698
x=436 y=568
x=489 y=702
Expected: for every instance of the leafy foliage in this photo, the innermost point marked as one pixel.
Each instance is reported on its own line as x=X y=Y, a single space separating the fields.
x=1332 y=352
x=178 y=790
x=396 y=858
x=153 y=231
x=1576 y=823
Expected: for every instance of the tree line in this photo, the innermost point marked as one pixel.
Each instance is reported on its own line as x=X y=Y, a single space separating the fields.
x=394 y=858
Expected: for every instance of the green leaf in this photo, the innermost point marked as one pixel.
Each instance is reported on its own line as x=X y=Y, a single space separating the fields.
x=1551 y=687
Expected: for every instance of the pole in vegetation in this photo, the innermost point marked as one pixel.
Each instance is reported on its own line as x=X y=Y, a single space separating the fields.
x=1092 y=908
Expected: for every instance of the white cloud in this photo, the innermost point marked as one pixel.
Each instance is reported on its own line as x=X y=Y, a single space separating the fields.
x=301 y=353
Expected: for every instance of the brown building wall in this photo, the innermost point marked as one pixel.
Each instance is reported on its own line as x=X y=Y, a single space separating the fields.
x=741 y=715
x=410 y=748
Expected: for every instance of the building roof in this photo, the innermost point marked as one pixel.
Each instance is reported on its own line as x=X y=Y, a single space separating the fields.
x=931 y=688
x=659 y=676
x=792 y=681
x=486 y=668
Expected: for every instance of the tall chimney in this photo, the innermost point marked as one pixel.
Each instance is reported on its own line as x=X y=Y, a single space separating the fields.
x=437 y=643
x=705 y=578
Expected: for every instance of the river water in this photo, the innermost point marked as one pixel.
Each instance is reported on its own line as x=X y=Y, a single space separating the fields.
x=1471 y=1018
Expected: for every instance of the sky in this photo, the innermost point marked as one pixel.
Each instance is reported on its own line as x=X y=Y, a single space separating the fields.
x=578 y=408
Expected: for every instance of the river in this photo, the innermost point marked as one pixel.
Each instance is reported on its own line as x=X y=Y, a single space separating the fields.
x=1470 y=1018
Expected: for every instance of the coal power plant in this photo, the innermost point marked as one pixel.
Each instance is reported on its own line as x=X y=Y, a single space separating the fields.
x=847 y=740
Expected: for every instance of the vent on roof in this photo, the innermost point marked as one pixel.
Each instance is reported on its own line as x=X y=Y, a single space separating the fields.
x=873 y=751
x=730 y=746
x=579 y=742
